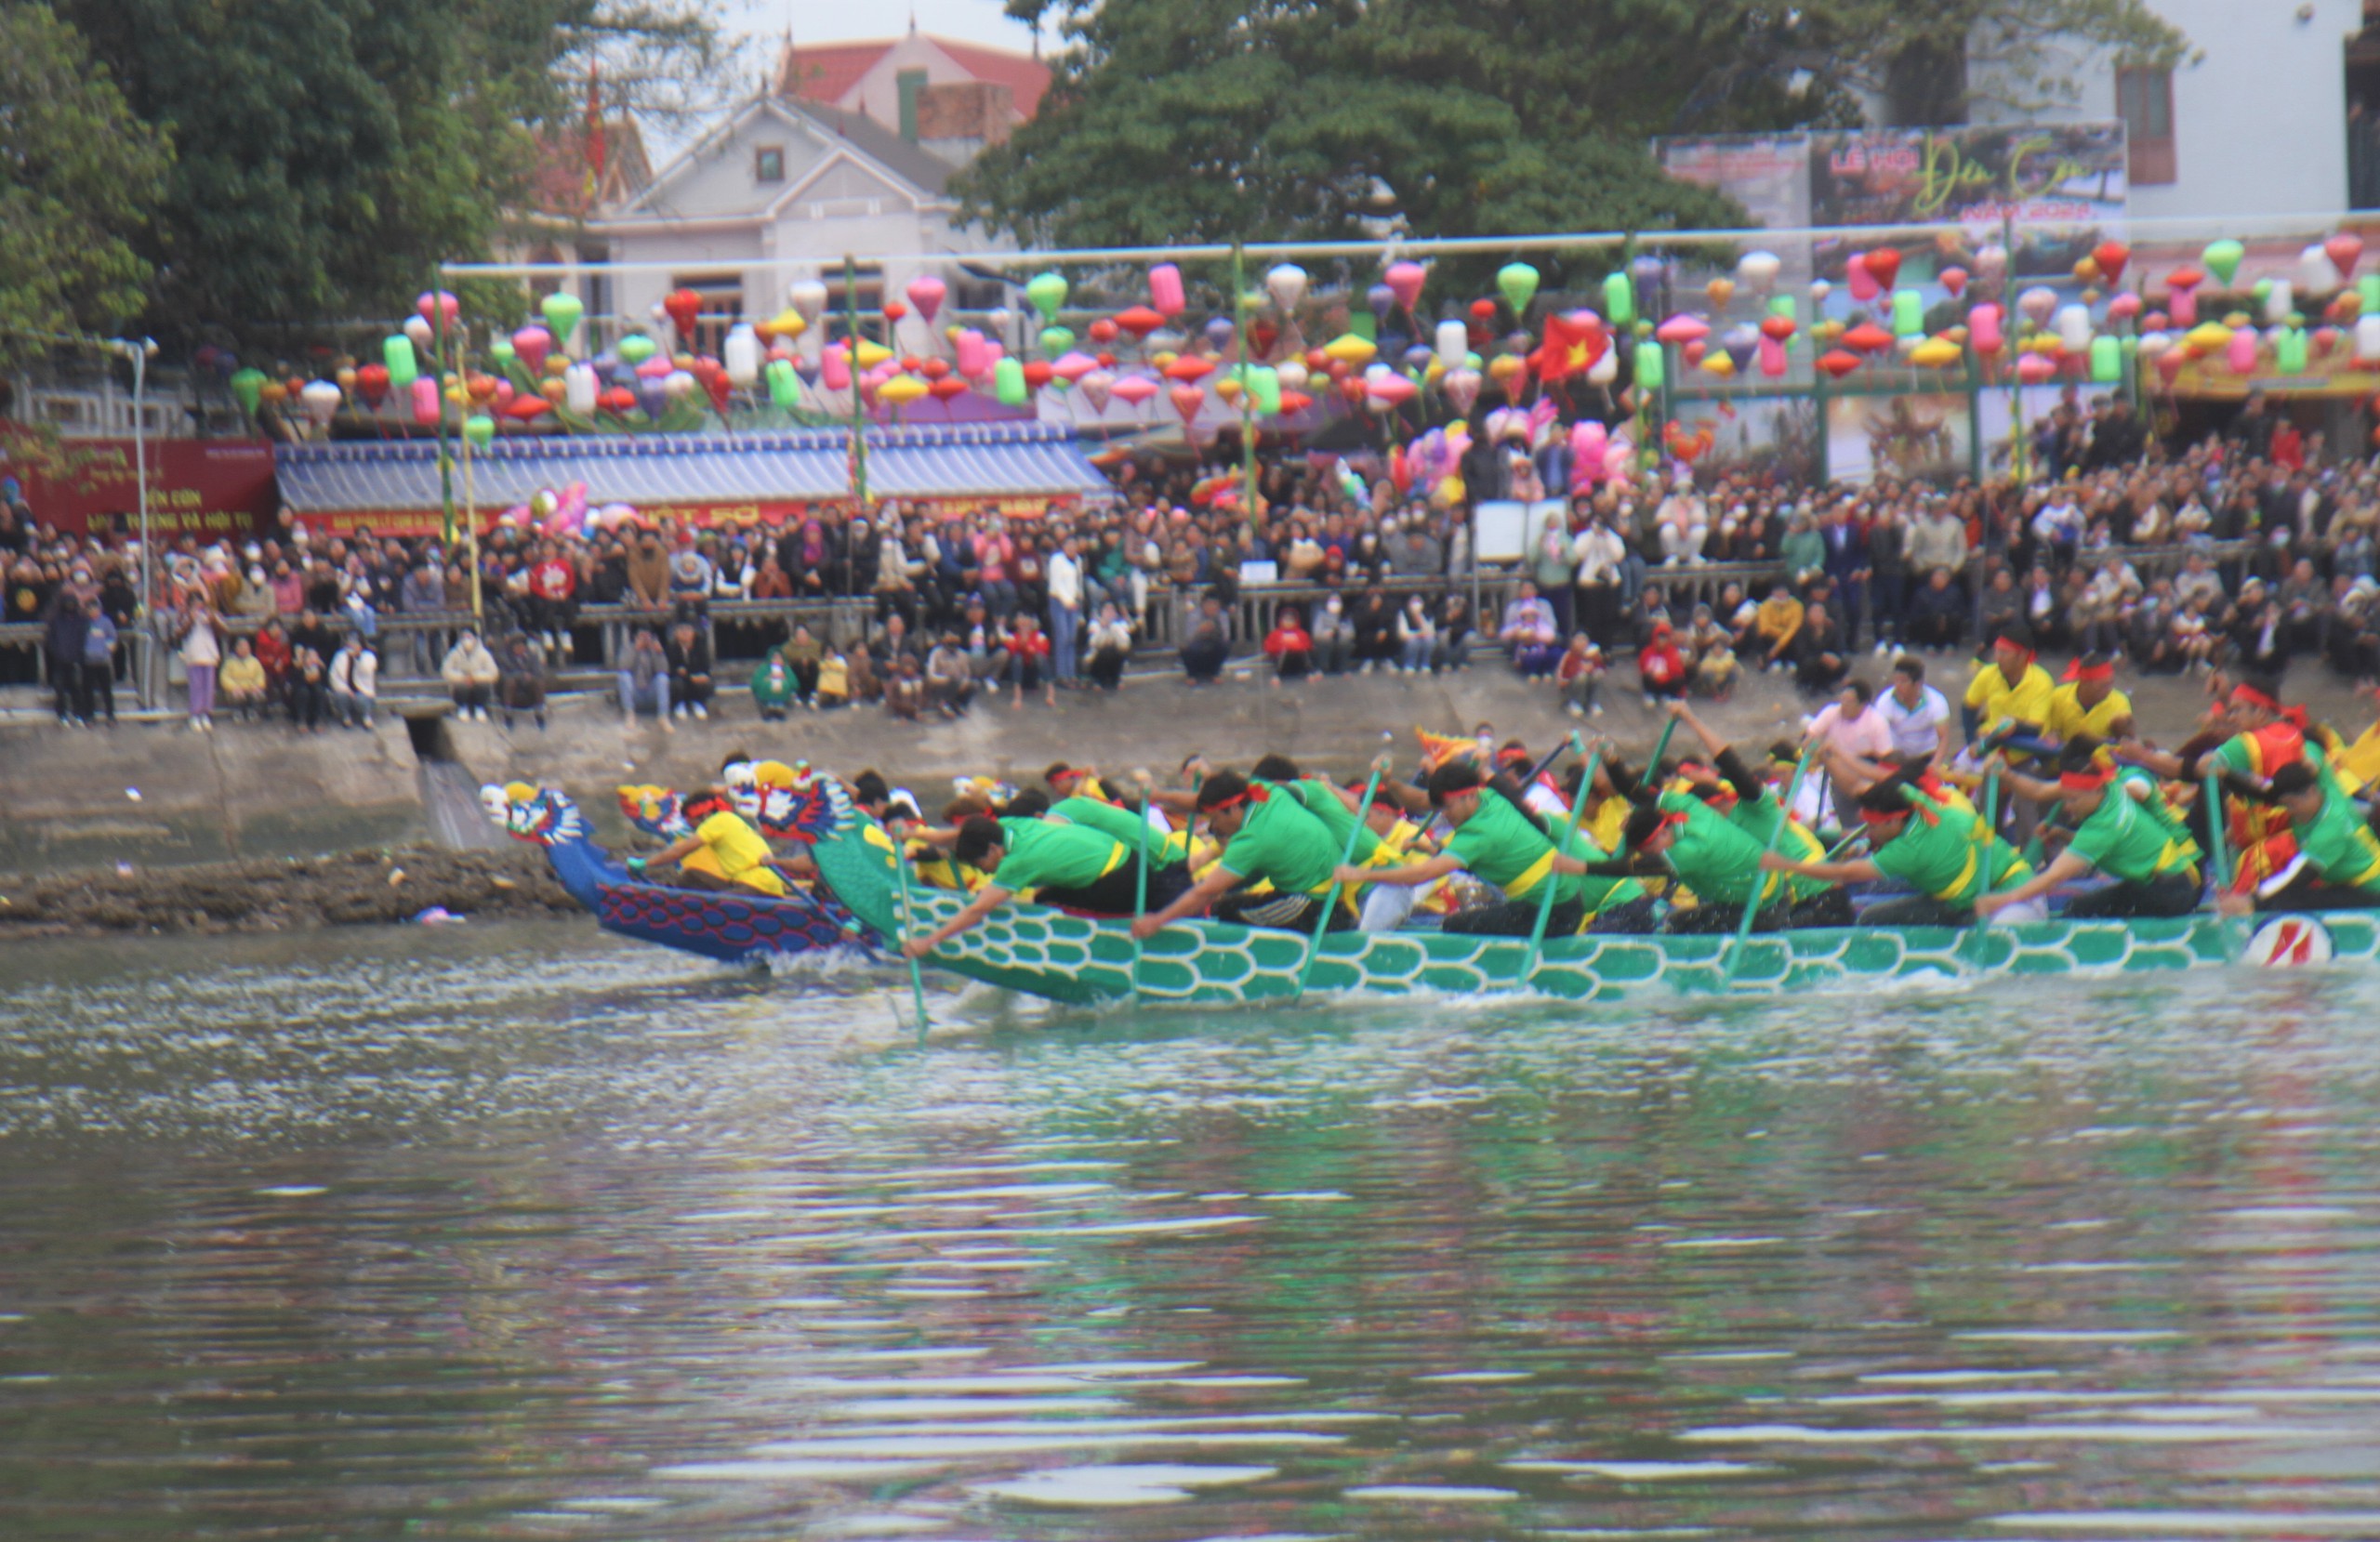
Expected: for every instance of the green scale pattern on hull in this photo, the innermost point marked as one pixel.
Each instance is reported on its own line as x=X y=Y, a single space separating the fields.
x=1069 y=958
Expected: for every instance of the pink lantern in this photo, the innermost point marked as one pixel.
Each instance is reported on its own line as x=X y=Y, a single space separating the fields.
x=973 y=363
x=1587 y=441
x=429 y=305
x=533 y=343
x=1165 y=290
x=2241 y=354
x=1772 y=357
x=2035 y=368
x=425 y=401
x=2182 y=306
x=1864 y=286
x=1186 y=400
x=1983 y=330
x=1404 y=280
x=926 y=294
x=2344 y=252
x=1135 y=388
x=837 y=364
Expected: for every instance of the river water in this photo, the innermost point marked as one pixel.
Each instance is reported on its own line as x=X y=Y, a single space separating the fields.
x=526 y=1233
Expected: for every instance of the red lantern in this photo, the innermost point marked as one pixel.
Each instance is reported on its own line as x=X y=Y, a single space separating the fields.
x=1139 y=321
x=684 y=308
x=372 y=384
x=1103 y=329
x=894 y=311
x=946 y=387
x=620 y=401
x=1837 y=363
x=1884 y=266
x=1037 y=374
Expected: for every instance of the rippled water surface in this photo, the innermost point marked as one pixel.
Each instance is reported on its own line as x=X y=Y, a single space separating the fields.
x=524 y=1233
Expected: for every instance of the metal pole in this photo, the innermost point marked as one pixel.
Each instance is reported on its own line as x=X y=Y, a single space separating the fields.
x=859 y=431
x=1247 y=394
x=445 y=461
x=145 y=661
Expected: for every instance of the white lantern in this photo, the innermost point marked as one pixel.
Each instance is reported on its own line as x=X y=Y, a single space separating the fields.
x=2367 y=339
x=2280 y=300
x=808 y=296
x=417 y=328
x=1757 y=271
x=2074 y=328
x=2315 y=273
x=578 y=388
x=1454 y=344
x=741 y=354
x=1286 y=284
x=321 y=398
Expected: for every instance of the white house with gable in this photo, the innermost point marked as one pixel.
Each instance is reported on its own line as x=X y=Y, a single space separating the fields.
x=781 y=191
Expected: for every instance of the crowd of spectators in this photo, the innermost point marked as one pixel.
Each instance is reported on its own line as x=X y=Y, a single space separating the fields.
x=2250 y=545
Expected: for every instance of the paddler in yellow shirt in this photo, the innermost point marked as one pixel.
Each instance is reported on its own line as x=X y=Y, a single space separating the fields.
x=2089 y=703
x=723 y=853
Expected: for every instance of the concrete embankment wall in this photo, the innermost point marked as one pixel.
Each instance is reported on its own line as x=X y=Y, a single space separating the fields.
x=245 y=791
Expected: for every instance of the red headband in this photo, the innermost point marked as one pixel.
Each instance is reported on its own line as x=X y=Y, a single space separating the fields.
x=2248 y=696
x=2099 y=674
x=2011 y=642
x=1253 y=793
x=2083 y=782
x=1875 y=816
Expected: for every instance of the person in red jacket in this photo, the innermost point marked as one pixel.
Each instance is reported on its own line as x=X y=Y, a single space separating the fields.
x=552 y=607
x=1290 y=646
x=1662 y=668
x=1028 y=661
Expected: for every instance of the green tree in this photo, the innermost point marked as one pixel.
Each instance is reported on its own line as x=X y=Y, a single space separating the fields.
x=1204 y=120
x=76 y=177
x=331 y=153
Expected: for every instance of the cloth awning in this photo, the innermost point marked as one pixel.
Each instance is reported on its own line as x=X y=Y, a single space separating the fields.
x=704 y=478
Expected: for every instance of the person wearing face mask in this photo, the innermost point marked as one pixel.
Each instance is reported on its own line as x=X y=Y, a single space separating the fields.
x=1334 y=636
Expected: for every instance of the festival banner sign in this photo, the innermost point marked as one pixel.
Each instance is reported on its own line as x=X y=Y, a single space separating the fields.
x=198 y=487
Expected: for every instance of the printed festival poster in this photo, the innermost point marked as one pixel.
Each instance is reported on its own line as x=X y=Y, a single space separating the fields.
x=1921 y=437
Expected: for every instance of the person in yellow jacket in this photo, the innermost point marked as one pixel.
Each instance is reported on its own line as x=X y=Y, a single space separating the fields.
x=2012 y=694
x=723 y=853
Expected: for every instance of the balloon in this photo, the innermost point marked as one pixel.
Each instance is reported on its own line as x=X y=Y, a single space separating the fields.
x=1619 y=300
x=1909 y=313
x=2222 y=258
x=1008 y=384
x=1186 y=400
x=397 y=354
x=425 y=406
x=1404 y=281
x=741 y=353
x=1649 y=366
x=1165 y=289
x=1518 y=280
x=808 y=297
x=1757 y=271
x=562 y=311
x=927 y=292
x=1955 y=281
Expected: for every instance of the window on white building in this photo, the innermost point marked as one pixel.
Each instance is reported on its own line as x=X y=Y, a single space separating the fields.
x=2145 y=102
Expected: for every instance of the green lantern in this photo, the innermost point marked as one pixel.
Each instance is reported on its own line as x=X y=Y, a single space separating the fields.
x=1619 y=299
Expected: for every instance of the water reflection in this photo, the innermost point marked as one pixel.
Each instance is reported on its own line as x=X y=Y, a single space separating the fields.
x=518 y=1233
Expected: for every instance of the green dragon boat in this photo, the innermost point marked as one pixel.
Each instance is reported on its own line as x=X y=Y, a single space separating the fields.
x=1077 y=959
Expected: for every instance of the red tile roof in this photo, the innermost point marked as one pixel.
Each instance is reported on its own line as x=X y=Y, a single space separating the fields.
x=824 y=72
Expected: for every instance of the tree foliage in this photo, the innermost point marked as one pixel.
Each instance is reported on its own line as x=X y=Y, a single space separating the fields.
x=1175 y=121
x=76 y=177
x=332 y=154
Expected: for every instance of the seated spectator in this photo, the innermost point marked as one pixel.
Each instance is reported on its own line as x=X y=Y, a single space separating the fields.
x=1289 y=646
x=1819 y=654
x=354 y=683
x=1937 y=616
x=470 y=673
x=1775 y=625
x=1375 y=629
x=1660 y=667
x=803 y=655
x=834 y=682
x=1417 y=637
x=950 y=680
x=1334 y=636
x=278 y=660
x=905 y=690
x=520 y=678
x=644 y=679
x=1110 y=647
x=772 y=686
x=2196 y=641
x=308 y=691
x=1527 y=633
x=1208 y=646
x=1455 y=627
x=241 y=683
x=1580 y=676
x=690 y=683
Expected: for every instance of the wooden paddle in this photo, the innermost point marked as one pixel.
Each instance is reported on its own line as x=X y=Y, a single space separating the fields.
x=1546 y=900
x=1734 y=960
x=1330 y=896
x=909 y=926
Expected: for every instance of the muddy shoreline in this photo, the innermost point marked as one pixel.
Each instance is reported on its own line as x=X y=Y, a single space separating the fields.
x=383 y=886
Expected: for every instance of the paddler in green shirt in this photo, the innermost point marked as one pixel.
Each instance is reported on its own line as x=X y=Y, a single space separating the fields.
x=1269 y=837
x=1168 y=855
x=2116 y=834
x=1940 y=849
x=1495 y=841
x=2337 y=866
x=1747 y=801
x=1068 y=866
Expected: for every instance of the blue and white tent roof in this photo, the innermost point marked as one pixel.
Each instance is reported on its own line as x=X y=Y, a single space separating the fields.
x=661 y=470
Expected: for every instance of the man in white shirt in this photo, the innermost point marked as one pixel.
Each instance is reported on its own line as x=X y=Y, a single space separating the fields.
x=1065 y=575
x=1914 y=713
